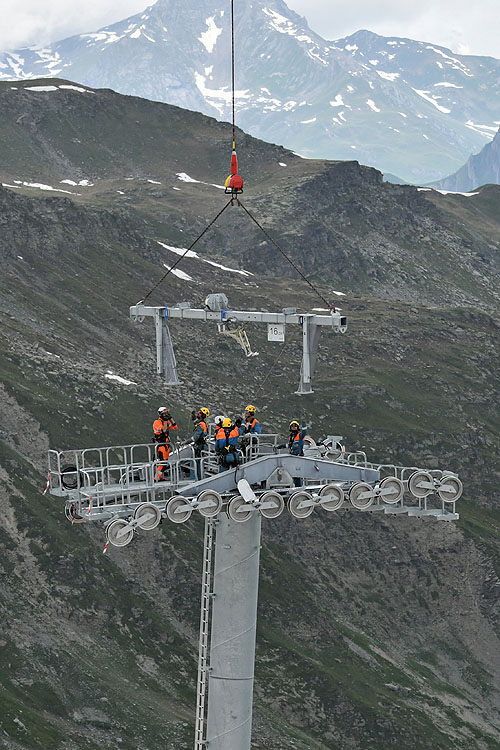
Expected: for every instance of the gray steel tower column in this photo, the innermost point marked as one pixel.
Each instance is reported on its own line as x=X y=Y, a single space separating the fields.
x=234 y=625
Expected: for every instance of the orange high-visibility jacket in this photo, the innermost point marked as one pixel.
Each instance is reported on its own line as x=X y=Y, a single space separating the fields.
x=161 y=430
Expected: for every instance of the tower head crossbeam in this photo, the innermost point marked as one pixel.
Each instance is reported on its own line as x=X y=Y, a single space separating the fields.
x=310 y=323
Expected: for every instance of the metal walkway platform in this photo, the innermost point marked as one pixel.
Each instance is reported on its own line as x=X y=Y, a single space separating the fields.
x=116 y=485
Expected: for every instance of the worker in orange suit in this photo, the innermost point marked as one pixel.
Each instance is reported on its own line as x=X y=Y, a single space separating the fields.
x=161 y=429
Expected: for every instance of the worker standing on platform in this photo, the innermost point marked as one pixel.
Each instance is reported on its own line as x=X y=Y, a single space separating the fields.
x=161 y=429
x=200 y=433
x=226 y=445
x=296 y=438
x=252 y=424
x=296 y=443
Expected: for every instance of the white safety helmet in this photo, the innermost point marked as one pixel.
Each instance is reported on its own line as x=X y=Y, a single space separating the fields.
x=219 y=419
x=161 y=409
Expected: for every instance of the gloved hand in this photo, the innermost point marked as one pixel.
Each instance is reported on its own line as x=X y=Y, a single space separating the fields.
x=193 y=415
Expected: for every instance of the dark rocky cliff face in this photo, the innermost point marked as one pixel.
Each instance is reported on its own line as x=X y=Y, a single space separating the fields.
x=372 y=632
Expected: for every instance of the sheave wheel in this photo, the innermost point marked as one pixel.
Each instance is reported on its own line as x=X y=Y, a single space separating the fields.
x=72 y=515
x=331 y=497
x=233 y=510
x=415 y=479
x=173 y=511
x=70 y=477
x=214 y=500
x=119 y=533
x=148 y=509
x=354 y=495
x=295 y=504
x=397 y=490
x=278 y=503
x=451 y=489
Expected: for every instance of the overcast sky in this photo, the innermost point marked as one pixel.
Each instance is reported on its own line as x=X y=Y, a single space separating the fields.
x=465 y=26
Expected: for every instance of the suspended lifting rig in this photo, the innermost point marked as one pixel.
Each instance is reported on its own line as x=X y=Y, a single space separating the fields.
x=116 y=486
x=216 y=310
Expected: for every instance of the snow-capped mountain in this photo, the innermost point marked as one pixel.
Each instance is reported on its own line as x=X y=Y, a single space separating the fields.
x=410 y=108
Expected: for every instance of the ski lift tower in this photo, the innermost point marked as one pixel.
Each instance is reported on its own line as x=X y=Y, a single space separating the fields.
x=117 y=486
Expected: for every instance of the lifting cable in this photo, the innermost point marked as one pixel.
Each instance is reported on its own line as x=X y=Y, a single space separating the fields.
x=185 y=253
x=232 y=73
x=233 y=191
x=270 y=371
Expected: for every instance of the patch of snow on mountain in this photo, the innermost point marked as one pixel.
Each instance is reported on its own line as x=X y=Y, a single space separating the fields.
x=387 y=76
x=372 y=105
x=282 y=164
x=483 y=129
x=16 y=62
x=68 y=87
x=307 y=122
x=338 y=101
x=108 y=37
x=351 y=47
x=193 y=254
x=180 y=274
x=455 y=192
x=41 y=186
x=185 y=177
x=155 y=182
x=136 y=34
x=226 y=268
x=445 y=192
x=209 y=37
x=455 y=64
x=179 y=250
x=402 y=114
x=81 y=183
x=374 y=62
x=109 y=375
x=425 y=95
x=40 y=88
x=212 y=95
x=284 y=26
x=448 y=85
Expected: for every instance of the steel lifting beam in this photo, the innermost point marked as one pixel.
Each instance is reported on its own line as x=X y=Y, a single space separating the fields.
x=311 y=325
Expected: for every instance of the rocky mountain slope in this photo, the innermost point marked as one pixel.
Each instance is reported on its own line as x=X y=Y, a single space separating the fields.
x=481 y=169
x=340 y=221
x=409 y=108
x=373 y=632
